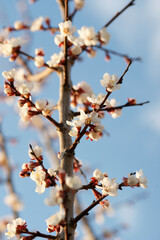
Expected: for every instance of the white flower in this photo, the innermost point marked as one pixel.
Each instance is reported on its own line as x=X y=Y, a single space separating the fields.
x=24 y=113
x=39 y=176
x=116 y=112
x=132 y=180
x=83 y=90
x=73 y=132
x=25 y=88
x=77 y=41
x=12 y=227
x=56 y=218
x=104 y=36
x=51 y=172
x=79 y=4
x=39 y=61
x=98 y=175
x=110 y=82
x=41 y=104
x=96 y=100
x=37 y=151
x=18 y=25
x=73 y=182
x=6 y=48
x=76 y=50
x=88 y=35
x=36 y=24
x=91 y=53
x=14 y=202
x=96 y=132
x=58 y=39
x=109 y=186
x=48 y=110
x=85 y=119
x=9 y=74
x=55 y=198
x=55 y=59
x=66 y=28
x=141 y=179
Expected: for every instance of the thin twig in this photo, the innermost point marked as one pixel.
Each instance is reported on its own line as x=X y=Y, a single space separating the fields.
x=85 y=212
x=72 y=14
x=109 y=51
x=41 y=164
x=39 y=234
x=131 y=3
x=17 y=93
x=77 y=140
x=32 y=58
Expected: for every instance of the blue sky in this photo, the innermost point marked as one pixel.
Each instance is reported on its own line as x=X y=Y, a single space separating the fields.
x=134 y=137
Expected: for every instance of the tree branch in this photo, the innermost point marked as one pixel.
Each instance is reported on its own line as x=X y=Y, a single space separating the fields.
x=131 y=3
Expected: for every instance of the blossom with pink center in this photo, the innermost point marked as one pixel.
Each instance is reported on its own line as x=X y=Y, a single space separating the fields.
x=88 y=35
x=110 y=82
x=66 y=28
x=109 y=186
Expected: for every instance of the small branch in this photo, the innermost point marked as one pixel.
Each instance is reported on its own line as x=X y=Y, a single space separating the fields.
x=17 y=93
x=131 y=3
x=77 y=140
x=86 y=223
x=39 y=234
x=73 y=14
x=56 y=69
x=126 y=70
x=85 y=212
x=123 y=106
x=41 y=164
x=75 y=114
x=52 y=29
x=108 y=51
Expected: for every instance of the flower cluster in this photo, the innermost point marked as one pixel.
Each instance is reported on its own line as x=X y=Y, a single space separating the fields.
x=17 y=226
x=44 y=106
x=13 y=88
x=37 y=172
x=10 y=47
x=86 y=39
x=136 y=180
x=80 y=94
x=91 y=120
x=108 y=186
x=55 y=221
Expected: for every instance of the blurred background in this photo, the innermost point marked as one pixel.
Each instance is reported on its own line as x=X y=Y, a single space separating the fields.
x=134 y=138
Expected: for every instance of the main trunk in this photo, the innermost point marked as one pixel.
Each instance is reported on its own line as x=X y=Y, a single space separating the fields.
x=65 y=142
